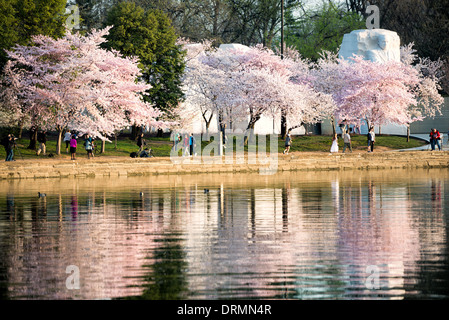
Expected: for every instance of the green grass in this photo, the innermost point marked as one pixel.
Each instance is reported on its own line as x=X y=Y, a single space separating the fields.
x=161 y=146
x=359 y=142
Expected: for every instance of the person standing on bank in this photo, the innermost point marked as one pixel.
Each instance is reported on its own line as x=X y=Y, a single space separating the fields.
x=73 y=144
x=435 y=138
x=67 y=138
x=288 y=143
x=141 y=142
x=42 y=139
x=347 y=142
x=371 y=139
x=334 y=146
x=9 y=143
x=88 y=145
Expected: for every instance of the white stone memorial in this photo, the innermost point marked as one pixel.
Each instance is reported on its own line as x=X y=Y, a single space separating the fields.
x=378 y=45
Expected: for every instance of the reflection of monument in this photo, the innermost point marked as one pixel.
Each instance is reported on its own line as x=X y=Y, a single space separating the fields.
x=377 y=45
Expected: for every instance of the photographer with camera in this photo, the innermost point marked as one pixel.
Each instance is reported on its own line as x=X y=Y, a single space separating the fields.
x=9 y=142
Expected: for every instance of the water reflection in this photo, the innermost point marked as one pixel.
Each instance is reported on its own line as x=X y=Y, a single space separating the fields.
x=289 y=236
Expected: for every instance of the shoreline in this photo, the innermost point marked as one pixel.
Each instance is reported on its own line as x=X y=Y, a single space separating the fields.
x=298 y=161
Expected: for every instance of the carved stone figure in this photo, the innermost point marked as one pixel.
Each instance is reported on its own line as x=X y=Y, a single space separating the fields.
x=378 y=45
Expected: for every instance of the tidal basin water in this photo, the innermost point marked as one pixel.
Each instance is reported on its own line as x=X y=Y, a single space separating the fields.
x=294 y=235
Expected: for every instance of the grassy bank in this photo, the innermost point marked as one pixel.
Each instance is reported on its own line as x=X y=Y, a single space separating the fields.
x=161 y=146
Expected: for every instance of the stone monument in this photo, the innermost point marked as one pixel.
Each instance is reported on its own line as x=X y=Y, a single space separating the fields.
x=378 y=45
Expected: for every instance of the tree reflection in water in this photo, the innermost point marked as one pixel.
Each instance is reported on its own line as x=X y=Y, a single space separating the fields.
x=291 y=235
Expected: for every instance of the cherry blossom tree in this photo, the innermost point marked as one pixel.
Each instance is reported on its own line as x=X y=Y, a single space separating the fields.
x=72 y=83
x=378 y=93
x=246 y=83
x=11 y=110
x=261 y=83
x=201 y=83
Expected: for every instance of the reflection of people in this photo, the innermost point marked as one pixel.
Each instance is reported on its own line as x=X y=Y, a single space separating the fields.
x=371 y=139
x=74 y=204
x=435 y=138
x=383 y=52
x=334 y=146
x=288 y=143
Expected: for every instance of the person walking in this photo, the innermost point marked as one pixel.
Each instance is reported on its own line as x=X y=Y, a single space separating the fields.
x=435 y=138
x=334 y=146
x=141 y=142
x=288 y=143
x=347 y=142
x=42 y=139
x=67 y=138
x=73 y=145
x=371 y=139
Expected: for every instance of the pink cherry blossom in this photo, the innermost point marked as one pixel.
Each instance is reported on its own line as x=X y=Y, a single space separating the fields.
x=73 y=83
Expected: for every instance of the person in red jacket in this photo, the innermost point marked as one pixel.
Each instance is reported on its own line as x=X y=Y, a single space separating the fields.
x=435 y=138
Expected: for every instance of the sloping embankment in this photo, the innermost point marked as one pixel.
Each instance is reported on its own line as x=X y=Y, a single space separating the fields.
x=109 y=166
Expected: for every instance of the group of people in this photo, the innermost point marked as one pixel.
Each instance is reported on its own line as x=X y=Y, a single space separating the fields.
x=71 y=143
x=144 y=152
x=347 y=144
x=188 y=144
x=435 y=140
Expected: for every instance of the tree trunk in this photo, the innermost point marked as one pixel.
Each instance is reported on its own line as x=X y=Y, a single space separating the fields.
x=33 y=139
x=283 y=125
x=20 y=125
x=408 y=133
x=250 y=128
x=103 y=145
x=58 y=141
x=207 y=121
x=334 y=130
x=135 y=132
x=368 y=123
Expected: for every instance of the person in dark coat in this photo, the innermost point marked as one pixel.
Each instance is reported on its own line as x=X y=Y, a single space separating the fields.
x=141 y=142
x=9 y=143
